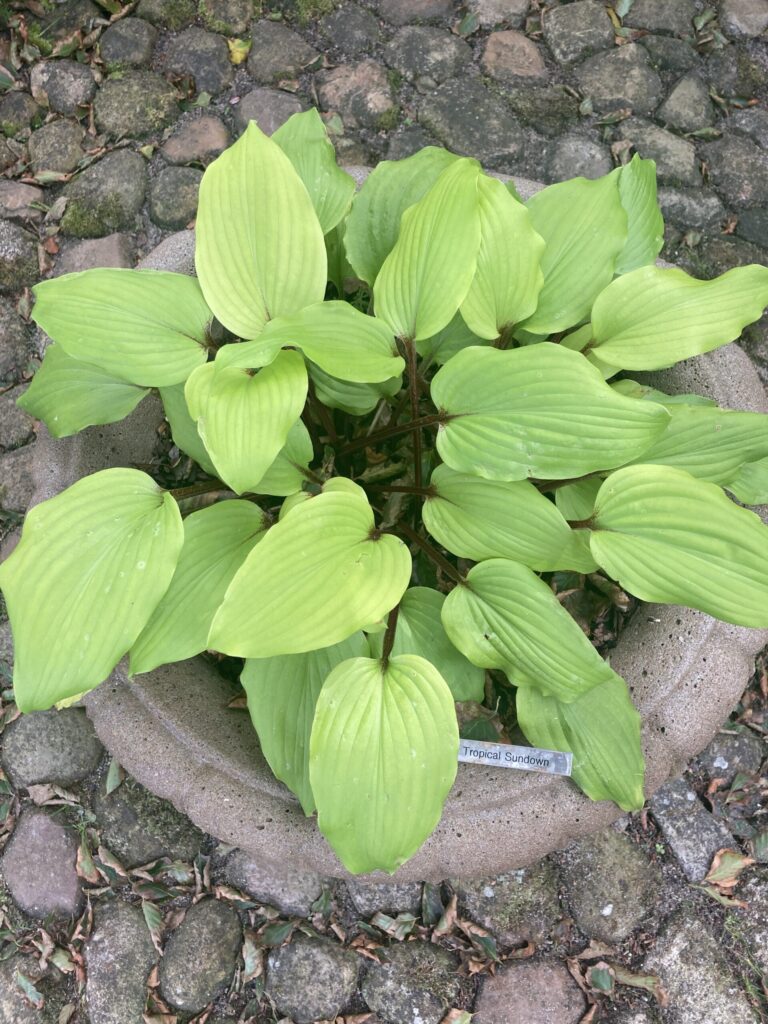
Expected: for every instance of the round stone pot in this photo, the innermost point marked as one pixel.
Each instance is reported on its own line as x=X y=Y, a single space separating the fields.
x=173 y=730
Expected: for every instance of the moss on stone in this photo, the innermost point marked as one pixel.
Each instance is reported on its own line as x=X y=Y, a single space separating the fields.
x=84 y=219
x=387 y=121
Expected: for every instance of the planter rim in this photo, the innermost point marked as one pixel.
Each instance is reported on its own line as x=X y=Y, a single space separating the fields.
x=173 y=731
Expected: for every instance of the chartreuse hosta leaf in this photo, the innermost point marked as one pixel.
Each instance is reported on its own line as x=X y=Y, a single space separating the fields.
x=259 y=249
x=476 y=518
x=507 y=282
x=216 y=542
x=645 y=224
x=69 y=395
x=146 y=327
x=244 y=419
x=373 y=223
x=383 y=756
x=539 y=411
x=337 y=337
x=506 y=617
x=304 y=141
x=352 y=398
x=750 y=484
x=349 y=575
x=653 y=318
x=576 y=501
x=420 y=631
x=667 y=537
x=446 y=343
x=426 y=276
x=633 y=389
x=584 y=227
x=91 y=567
x=282 y=693
x=601 y=729
x=183 y=427
x=288 y=472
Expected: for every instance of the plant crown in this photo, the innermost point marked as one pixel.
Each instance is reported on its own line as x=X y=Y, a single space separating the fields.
x=429 y=373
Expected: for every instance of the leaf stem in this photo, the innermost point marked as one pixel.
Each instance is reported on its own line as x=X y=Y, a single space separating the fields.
x=203 y=487
x=394 y=430
x=425 y=492
x=389 y=636
x=439 y=560
x=413 y=395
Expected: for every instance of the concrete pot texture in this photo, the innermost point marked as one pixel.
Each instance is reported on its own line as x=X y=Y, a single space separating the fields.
x=173 y=730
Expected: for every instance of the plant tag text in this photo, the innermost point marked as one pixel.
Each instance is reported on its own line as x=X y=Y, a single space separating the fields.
x=527 y=759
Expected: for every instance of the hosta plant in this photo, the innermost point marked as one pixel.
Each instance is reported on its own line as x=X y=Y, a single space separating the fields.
x=411 y=410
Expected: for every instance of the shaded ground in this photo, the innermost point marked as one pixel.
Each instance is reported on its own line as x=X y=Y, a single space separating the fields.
x=110 y=112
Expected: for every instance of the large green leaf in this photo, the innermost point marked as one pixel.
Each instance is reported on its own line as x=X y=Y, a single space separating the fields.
x=355 y=399
x=282 y=693
x=584 y=227
x=259 y=251
x=539 y=411
x=506 y=617
x=653 y=318
x=383 y=756
x=318 y=576
x=576 y=501
x=668 y=537
x=645 y=224
x=337 y=337
x=506 y=285
x=420 y=631
x=288 y=472
x=216 y=542
x=750 y=484
x=146 y=327
x=446 y=343
x=244 y=420
x=183 y=427
x=633 y=389
x=68 y=395
x=374 y=220
x=426 y=276
x=710 y=443
x=601 y=729
x=477 y=518
x=304 y=141
x=91 y=567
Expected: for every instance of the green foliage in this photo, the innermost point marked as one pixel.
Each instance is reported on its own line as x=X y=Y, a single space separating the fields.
x=454 y=466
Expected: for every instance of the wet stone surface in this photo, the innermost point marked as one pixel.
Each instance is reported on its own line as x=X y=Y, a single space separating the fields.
x=51 y=746
x=118 y=957
x=694 y=835
x=106 y=197
x=38 y=866
x=200 y=956
x=311 y=979
x=416 y=981
x=173 y=197
x=542 y=991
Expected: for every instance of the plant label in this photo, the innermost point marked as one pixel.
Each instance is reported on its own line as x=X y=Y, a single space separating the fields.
x=527 y=759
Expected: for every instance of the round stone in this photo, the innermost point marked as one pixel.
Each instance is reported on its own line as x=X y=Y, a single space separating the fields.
x=51 y=746
x=511 y=55
x=311 y=979
x=20 y=202
x=676 y=160
x=400 y=12
x=421 y=50
x=229 y=17
x=543 y=992
x=744 y=18
x=360 y=93
x=577 y=30
x=14 y=343
x=136 y=104
x=128 y=44
x=269 y=108
x=203 y=56
x=118 y=956
x=739 y=171
x=63 y=85
x=105 y=197
x=18 y=113
x=688 y=106
x=351 y=28
x=173 y=197
x=491 y=13
x=8 y=154
x=621 y=78
x=56 y=147
x=39 y=867
x=415 y=982
x=662 y=16
x=18 y=257
x=197 y=141
x=574 y=156
x=200 y=956
x=172 y=14
x=277 y=52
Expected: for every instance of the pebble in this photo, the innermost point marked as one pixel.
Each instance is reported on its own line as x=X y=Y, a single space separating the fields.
x=621 y=78
x=510 y=55
x=203 y=56
x=172 y=14
x=754 y=917
x=289 y=891
x=744 y=18
x=733 y=752
x=118 y=957
x=360 y=93
x=694 y=836
x=416 y=981
x=8 y=154
x=689 y=961
x=65 y=86
x=549 y=109
x=66 y=18
x=200 y=955
x=390 y=897
x=51 y=746
x=269 y=108
x=541 y=992
x=277 y=52
x=688 y=106
x=56 y=146
x=420 y=50
x=610 y=885
x=229 y=17
x=692 y=208
x=39 y=867
x=574 y=156
x=311 y=979
x=739 y=171
x=17 y=427
x=401 y=12
x=18 y=113
x=173 y=197
x=492 y=13
x=676 y=160
x=577 y=30
x=18 y=257
x=14 y=342
x=197 y=141
x=128 y=44
x=753 y=225
x=752 y=121
x=137 y=104
x=670 y=54
x=352 y=29
x=662 y=16
x=20 y=202
x=138 y=826
x=516 y=907
x=116 y=250
x=106 y=197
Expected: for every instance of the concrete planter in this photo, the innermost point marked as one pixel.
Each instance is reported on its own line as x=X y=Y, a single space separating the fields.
x=173 y=731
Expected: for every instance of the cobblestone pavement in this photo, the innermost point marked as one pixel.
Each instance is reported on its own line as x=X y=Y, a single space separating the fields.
x=114 y=110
